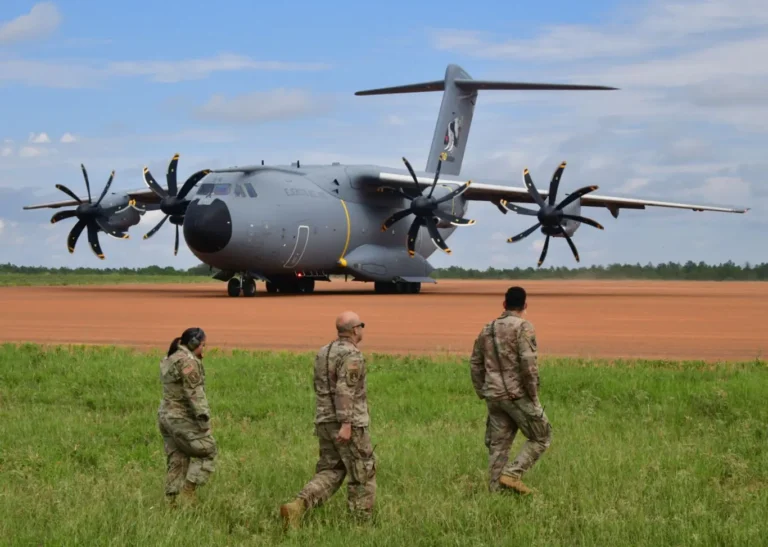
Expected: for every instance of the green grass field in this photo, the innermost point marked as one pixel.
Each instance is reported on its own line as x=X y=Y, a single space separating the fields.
x=57 y=279
x=643 y=454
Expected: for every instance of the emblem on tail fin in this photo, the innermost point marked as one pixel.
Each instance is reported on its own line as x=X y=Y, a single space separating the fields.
x=452 y=136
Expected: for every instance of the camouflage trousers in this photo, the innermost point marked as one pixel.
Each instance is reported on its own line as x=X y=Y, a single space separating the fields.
x=190 y=454
x=337 y=460
x=505 y=418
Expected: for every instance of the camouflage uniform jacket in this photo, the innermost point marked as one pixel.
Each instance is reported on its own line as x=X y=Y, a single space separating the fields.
x=505 y=366
x=340 y=384
x=183 y=378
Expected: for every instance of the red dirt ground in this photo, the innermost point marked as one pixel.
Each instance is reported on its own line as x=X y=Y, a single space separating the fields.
x=661 y=320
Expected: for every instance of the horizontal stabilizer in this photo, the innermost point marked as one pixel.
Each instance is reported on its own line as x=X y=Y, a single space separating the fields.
x=468 y=84
x=437 y=85
x=473 y=85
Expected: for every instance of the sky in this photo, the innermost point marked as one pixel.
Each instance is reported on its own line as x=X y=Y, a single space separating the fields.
x=119 y=86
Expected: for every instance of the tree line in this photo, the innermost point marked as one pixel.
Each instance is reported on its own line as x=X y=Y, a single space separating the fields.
x=688 y=271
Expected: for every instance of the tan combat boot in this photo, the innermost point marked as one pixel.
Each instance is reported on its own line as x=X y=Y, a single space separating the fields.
x=188 y=495
x=514 y=483
x=292 y=512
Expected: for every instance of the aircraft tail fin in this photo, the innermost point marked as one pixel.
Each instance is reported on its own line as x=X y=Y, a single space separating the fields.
x=457 y=108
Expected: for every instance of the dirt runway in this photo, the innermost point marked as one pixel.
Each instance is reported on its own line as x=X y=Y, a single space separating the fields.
x=661 y=320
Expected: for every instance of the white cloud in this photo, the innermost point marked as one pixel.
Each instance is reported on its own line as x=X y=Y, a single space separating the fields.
x=195 y=69
x=68 y=138
x=41 y=21
x=278 y=104
x=40 y=138
x=30 y=152
x=2 y=226
x=70 y=75
x=6 y=151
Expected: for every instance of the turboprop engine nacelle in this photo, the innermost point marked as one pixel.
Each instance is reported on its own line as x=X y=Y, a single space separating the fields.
x=457 y=206
x=569 y=225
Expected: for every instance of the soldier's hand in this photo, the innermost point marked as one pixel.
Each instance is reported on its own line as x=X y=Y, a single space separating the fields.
x=345 y=433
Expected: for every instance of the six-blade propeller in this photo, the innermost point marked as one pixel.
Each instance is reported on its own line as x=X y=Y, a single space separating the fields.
x=425 y=209
x=550 y=216
x=89 y=215
x=172 y=201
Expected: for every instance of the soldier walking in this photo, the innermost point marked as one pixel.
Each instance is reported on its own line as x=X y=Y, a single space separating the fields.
x=184 y=417
x=341 y=426
x=504 y=373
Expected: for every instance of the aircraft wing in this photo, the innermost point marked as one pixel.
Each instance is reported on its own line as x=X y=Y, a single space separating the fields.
x=143 y=196
x=495 y=193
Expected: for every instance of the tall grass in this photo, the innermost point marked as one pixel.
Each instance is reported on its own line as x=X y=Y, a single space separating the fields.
x=643 y=454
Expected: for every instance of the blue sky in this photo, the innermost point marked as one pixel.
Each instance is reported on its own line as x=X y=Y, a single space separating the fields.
x=119 y=87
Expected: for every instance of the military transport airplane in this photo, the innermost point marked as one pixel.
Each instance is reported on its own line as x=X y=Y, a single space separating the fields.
x=291 y=225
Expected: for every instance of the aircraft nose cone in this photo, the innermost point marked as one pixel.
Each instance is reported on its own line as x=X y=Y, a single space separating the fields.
x=208 y=228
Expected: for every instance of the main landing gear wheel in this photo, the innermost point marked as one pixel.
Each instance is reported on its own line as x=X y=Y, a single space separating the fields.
x=398 y=287
x=292 y=285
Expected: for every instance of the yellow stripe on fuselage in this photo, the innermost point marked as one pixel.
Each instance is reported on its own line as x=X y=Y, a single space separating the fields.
x=349 y=230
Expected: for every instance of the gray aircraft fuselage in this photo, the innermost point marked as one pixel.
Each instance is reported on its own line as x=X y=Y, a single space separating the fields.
x=309 y=220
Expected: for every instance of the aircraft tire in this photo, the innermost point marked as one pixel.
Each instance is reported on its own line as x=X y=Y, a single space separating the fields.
x=249 y=287
x=233 y=287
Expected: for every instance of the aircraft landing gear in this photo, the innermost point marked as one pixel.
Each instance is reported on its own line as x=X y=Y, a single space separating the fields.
x=398 y=287
x=291 y=285
x=245 y=284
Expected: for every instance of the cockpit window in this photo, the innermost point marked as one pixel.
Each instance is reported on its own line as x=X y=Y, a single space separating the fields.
x=222 y=189
x=250 y=190
x=205 y=189
x=239 y=192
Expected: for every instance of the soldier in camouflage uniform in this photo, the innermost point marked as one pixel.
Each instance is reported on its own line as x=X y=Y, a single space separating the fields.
x=184 y=417
x=341 y=426
x=504 y=373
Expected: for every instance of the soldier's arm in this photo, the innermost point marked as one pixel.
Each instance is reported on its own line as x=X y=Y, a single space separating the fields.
x=347 y=378
x=477 y=366
x=192 y=383
x=528 y=351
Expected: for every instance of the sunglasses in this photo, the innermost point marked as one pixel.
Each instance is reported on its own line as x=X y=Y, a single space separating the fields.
x=361 y=325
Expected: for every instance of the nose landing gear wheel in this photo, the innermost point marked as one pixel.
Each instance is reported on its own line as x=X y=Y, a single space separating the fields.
x=249 y=287
x=233 y=287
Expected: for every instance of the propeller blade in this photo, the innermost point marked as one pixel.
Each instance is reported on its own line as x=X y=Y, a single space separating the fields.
x=394 y=218
x=519 y=210
x=111 y=231
x=455 y=193
x=576 y=195
x=436 y=237
x=410 y=170
x=532 y=188
x=74 y=234
x=61 y=215
x=106 y=187
x=150 y=181
x=191 y=181
x=170 y=176
x=570 y=244
x=69 y=192
x=584 y=220
x=437 y=174
x=524 y=234
x=93 y=239
x=154 y=230
x=87 y=184
x=544 y=251
x=413 y=233
x=176 y=246
x=453 y=219
x=555 y=184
